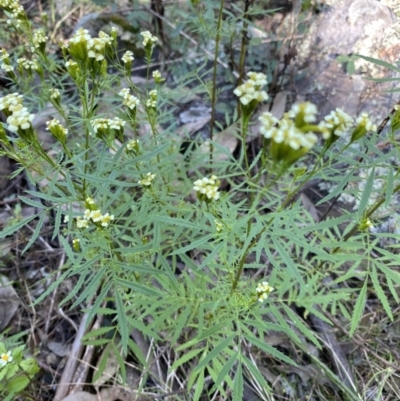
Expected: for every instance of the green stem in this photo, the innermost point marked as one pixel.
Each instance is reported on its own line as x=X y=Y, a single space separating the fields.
x=214 y=86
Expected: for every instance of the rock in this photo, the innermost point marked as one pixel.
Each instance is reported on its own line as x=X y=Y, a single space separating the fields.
x=348 y=27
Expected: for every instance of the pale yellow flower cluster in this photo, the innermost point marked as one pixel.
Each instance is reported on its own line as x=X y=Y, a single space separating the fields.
x=337 y=122
x=208 y=187
x=54 y=94
x=94 y=216
x=364 y=121
x=15 y=10
x=58 y=131
x=286 y=132
x=148 y=39
x=129 y=101
x=82 y=45
x=147 y=180
x=127 y=57
x=5 y=59
x=263 y=290
x=251 y=89
x=18 y=115
x=106 y=123
x=133 y=144
x=29 y=65
x=39 y=40
x=151 y=101
x=158 y=77
x=81 y=36
x=218 y=226
x=97 y=46
x=307 y=110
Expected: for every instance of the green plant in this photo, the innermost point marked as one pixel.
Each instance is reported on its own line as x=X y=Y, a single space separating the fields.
x=16 y=371
x=177 y=268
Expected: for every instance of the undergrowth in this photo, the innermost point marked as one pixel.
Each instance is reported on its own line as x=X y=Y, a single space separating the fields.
x=167 y=240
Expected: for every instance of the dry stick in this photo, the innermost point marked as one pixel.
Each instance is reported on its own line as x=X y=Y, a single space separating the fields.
x=72 y=362
x=82 y=370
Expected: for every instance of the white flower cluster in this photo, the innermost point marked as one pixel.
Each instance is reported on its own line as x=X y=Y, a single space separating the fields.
x=93 y=215
x=6 y=67
x=30 y=65
x=129 y=101
x=127 y=57
x=307 y=110
x=251 y=89
x=38 y=39
x=208 y=187
x=20 y=119
x=20 y=116
x=81 y=36
x=151 y=101
x=5 y=58
x=133 y=144
x=286 y=132
x=263 y=290
x=148 y=39
x=147 y=180
x=97 y=46
x=5 y=358
x=4 y=55
x=54 y=94
x=71 y=63
x=55 y=126
x=106 y=123
x=364 y=121
x=337 y=122
x=11 y=102
x=157 y=76
x=16 y=12
x=218 y=226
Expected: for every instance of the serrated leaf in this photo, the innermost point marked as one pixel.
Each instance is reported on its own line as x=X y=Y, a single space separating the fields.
x=301 y=326
x=380 y=292
x=366 y=194
x=199 y=386
x=181 y=322
x=268 y=349
x=238 y=384
x=122 y=322
x=389 y=187
x=97 y=333
x=31 y=202
x=15 y=227
x=175 y=221
x=286 y=258
x=135 y=323
x=57 y=222
x=187 y=356
x=36 y=232
x=359 y=307
x=337 y=190
x=193 y=245
x=215 y=351
x=225 y=371
x=379 y=62
x=138 y=287
x=262 y=383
